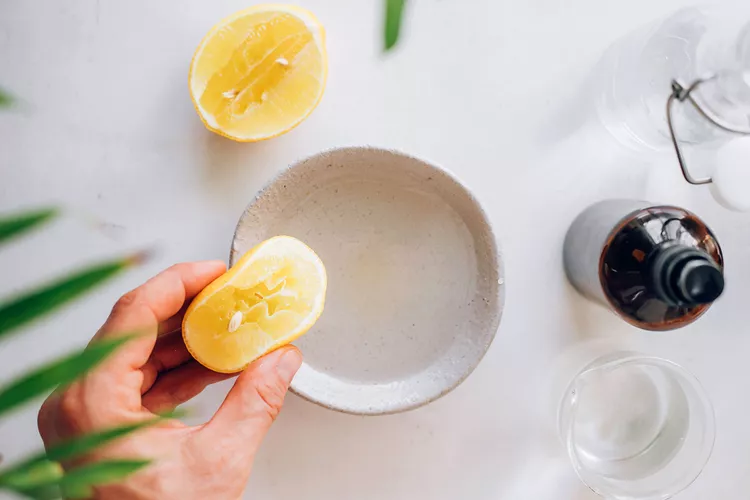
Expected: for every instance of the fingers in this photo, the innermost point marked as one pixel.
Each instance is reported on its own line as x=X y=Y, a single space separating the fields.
x=160 y=298
x=174 y=323
x=254 y=401
x=180 y=385
x=169 y=352
x=46 y=421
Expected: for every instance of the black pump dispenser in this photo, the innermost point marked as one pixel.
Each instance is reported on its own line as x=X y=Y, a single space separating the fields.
x=684 y=276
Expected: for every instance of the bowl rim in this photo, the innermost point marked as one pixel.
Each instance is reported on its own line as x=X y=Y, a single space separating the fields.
x=497 y=301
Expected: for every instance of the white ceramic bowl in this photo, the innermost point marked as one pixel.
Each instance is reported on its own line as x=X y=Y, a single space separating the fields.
x=414 y=277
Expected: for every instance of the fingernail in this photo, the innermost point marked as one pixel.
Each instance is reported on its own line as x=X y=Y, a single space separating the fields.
x=288 y=365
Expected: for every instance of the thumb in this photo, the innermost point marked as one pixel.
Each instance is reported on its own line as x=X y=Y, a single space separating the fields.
x=255 y=400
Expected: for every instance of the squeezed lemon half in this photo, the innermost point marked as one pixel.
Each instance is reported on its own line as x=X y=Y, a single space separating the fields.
x=269 y=298
x=260 y=72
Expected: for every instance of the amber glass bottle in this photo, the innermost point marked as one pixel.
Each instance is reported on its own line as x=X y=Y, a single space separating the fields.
x=658 y=267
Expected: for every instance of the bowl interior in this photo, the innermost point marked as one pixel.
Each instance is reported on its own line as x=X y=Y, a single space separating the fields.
x=414 y=294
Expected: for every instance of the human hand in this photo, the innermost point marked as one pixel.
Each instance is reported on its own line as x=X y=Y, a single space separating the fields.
x=154 y=373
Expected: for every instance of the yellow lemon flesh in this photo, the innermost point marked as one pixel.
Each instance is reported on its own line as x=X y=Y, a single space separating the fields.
x=260 y=72
x=271 y=297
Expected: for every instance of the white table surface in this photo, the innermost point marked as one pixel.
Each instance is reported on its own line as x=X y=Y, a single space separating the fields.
x=483 y=87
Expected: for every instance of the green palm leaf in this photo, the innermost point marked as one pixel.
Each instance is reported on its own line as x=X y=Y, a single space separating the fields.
x=16 y=224
x=58 y=373
x=77 y=447
x=5 y=99
x=42 y=477
x=47 y=481
x=28 y=307
x=394 y=14
x=80 y=446
x=79 y=482
x=85 y=444
x=36 y=475
x=46 y=492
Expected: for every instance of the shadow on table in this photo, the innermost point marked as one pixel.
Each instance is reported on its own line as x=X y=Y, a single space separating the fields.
x=232 y=171
x=438 y=450
x=459 y=447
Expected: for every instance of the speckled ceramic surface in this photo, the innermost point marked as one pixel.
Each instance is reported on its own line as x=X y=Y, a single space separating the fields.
x=415 y=279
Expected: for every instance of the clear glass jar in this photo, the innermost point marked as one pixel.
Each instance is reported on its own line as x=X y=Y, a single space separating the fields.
x=636 y=426
x=636 y=73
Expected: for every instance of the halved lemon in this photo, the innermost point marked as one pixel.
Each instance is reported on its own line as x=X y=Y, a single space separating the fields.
x=271 y=297
x=260 y=72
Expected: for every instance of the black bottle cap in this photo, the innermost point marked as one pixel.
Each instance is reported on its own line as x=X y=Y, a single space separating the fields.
x=685 y=276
